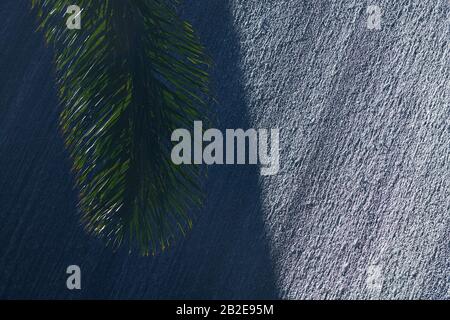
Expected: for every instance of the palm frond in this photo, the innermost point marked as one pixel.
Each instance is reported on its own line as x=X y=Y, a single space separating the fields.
x=132 y=74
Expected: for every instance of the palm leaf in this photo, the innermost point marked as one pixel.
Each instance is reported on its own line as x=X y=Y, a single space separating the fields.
x=132 y=74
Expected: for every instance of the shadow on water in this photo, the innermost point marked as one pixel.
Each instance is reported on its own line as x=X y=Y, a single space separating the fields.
x=226 y=255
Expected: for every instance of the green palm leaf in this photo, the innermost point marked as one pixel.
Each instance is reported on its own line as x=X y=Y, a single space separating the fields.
x=132 y=74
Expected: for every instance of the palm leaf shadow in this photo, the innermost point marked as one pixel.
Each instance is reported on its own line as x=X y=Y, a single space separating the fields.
x=226 y=255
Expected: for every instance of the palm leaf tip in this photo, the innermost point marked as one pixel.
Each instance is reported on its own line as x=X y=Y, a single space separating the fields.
x=128 y=78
